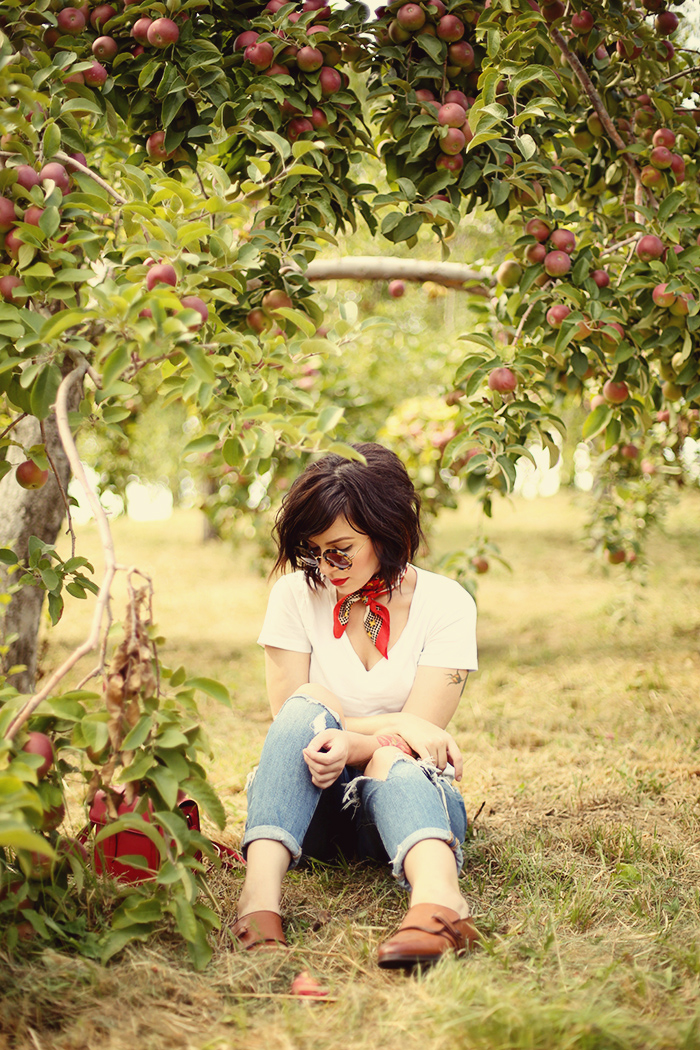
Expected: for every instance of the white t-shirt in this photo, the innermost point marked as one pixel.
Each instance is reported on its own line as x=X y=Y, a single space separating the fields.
x=440 y=632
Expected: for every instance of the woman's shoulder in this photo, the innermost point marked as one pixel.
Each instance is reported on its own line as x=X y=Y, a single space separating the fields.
x=441 y=588
x=293 y=585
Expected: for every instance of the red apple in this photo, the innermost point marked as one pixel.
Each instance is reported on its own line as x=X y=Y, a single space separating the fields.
x=275 y=299
x=664 y=137
x=557 y=263
x=105 y=48
x=318 y=119
x=661 y=297
x=140 y=28
x=461 y=54
x=538 y=229
x=502 y=380
x=601 y=278
x=39 y=743
x=257 y=320
x=96 y=75
x=71 y=20
x=259 y=54
x=396 y=289
x=411 y=17
x=155 y=147
x=452 y=115
x=193 y=302
x=678 y=167
x=8 y=214
x=161 y=273
x=582 y=22
x=557 y=314
x=450 y=28
x=649 y=247
x=615 y=392
x=309 y=59
x=616 y=557
x=666 y=23
x=100 y=15
x=27 y=176
x=480 y=564
x=450 y=163
x=650 y=177
x=245 y=39
x=33 y=214
x=163 y=32
x=330 y=80
x=606 y=335
x=453 y=96
x=535 y=253
x=7 y=285
x=452 y=142
x=629 y=451
x=660 y=157
x=297 y=127
x=13 y=242
x=562 y=239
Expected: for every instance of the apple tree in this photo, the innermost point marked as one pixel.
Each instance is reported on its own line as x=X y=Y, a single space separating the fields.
x=170 y=171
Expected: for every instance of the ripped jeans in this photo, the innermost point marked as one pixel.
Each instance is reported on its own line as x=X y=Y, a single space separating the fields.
x=357 y=816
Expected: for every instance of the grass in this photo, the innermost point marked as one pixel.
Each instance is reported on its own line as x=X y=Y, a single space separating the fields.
x=580 y=735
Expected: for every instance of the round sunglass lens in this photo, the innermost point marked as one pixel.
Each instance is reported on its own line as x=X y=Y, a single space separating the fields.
x=338 y=560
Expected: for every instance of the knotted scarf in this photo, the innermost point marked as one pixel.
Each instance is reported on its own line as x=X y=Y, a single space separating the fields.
x=376 y=619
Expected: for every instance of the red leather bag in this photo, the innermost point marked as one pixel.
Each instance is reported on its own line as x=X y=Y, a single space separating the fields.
x=112 y=853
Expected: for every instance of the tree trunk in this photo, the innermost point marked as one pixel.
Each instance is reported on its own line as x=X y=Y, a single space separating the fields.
x=25 y=513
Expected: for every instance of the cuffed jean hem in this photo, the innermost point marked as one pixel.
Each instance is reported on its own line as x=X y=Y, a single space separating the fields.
x=397 y=862
x=268 y=831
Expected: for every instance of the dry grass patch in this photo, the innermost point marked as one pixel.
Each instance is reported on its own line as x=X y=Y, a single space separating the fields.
x=580 y=735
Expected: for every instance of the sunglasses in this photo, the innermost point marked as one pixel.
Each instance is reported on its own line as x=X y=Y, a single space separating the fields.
x=335 y=558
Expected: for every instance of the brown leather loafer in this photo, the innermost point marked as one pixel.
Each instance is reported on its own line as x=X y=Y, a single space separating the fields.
x=259 y=929
x=427 y=932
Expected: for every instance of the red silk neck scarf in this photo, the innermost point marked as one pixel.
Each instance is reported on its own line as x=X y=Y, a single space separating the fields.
x=376 y=620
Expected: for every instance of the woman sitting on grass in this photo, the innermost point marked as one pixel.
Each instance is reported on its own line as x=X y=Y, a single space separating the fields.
x=366 y=659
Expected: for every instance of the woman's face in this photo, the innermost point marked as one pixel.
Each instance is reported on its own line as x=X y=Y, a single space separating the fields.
x=341 y=536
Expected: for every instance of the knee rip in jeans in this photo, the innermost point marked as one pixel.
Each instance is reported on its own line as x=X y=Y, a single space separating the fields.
x=319 y=721
x=351 y=799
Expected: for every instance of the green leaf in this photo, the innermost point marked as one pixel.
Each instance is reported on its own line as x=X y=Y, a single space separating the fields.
x=211 y=687
x=671 y=204
x=44 y=389
x=596 y=421
x=201 y=367
x=15 y=835
x=329 y=418
x=119 y=939
x=204 y=443
x=139 y=734
x=58 y=324
x=166 y=784
x=115 y=364
x=51 y=142
x=138 y=768
x=204 y=795
x=7 y=556
x=298 y=318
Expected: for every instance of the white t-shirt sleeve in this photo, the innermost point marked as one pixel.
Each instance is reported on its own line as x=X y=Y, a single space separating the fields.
x=283 y=626
x=451 y=637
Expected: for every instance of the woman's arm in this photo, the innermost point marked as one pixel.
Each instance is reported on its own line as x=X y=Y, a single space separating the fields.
x=422 y=722
x=285 y=672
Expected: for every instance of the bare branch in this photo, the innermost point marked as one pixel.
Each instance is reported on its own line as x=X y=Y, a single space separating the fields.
x=103 y=596
x=65 y=159
x=378 y=268
x=14 y=423
x=605 y=118
x=683 y=73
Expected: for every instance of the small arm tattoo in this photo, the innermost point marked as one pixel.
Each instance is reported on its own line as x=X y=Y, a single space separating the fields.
x=457 y=678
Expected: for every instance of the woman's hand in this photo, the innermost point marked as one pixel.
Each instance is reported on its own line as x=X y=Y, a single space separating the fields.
x=430 y=742
x=326 y=756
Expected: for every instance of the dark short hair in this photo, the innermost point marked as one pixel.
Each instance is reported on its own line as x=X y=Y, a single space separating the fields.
x=376 y=497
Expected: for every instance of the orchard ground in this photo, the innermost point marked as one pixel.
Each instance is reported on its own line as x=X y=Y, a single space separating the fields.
x=580 y=735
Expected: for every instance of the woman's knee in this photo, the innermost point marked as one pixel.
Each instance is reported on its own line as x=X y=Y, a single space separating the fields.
x=319 y=693
x=383 y=759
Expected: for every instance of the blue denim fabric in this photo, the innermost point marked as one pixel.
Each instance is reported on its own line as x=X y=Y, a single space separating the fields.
x=358 y=815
